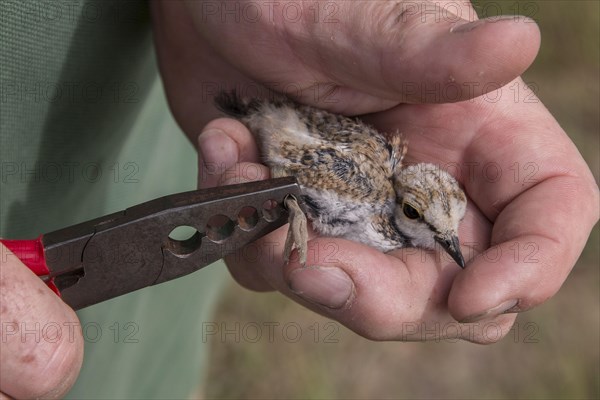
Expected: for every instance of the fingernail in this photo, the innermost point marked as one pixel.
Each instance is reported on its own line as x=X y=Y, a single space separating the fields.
x=328 y=286
x=469 y=26
x=234 y=181
x=514 y=309
x=502 y=308
x=217 y=150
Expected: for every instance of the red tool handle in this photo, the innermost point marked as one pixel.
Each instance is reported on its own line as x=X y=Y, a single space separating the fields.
x=31 y=253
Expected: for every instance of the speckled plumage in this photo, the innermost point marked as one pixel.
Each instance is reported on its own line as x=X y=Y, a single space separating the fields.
x=354 y=183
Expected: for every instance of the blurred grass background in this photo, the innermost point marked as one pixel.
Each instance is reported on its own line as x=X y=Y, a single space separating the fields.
x=552 y=352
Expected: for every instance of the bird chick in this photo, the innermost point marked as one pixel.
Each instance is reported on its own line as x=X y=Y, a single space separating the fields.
x=353 y=181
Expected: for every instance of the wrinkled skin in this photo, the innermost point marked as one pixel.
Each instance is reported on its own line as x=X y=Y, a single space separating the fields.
x=517 y=165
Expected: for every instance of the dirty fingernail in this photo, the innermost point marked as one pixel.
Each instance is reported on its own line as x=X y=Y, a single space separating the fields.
x=492 y=312
x=328 y=286
x=469 y=26
x=217 y=150
x=234 y=181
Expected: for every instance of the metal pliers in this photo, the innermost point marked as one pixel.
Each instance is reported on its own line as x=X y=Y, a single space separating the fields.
x=129 y=250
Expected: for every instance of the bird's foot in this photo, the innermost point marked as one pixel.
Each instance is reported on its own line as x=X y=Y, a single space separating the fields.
x=297 y=231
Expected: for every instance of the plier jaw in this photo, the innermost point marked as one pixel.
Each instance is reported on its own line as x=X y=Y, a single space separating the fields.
x=125 y=251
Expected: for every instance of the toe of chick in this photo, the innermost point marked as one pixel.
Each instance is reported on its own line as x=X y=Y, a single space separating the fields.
x=297 y=231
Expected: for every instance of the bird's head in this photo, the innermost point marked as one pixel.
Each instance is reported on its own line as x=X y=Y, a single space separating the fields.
x=430 y=205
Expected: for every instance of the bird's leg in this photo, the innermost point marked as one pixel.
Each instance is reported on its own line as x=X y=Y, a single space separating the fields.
x=297 y=232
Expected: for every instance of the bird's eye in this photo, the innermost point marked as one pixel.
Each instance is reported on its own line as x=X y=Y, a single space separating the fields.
x=410 y=211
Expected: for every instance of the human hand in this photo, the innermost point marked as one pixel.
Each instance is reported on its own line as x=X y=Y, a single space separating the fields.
x=41 y=349
x=519 y=258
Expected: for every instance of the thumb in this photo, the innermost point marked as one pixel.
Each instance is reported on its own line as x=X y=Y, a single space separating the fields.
x=420 y=51
x=42 y=346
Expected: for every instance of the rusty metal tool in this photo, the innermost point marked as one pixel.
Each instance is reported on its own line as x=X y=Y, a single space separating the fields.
x=129 y=250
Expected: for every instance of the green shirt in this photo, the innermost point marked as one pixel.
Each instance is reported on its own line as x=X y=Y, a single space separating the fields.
x=85 y=131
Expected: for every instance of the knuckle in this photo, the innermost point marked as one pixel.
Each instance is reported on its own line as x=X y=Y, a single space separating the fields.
x=250 y=281
x=249 y=265
x=594 y=198
x=381 y=325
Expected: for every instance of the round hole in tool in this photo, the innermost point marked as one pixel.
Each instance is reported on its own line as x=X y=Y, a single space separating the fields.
x=219 y=228
x=248 y=218
x=184 y=240
x=271 y=210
